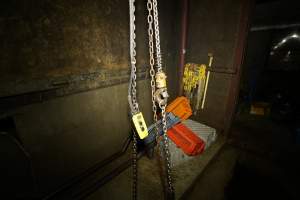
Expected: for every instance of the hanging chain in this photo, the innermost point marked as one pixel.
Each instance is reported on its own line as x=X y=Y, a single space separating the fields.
x=157 y=39
x=134 y=167
x=166 y=150
x=161 y=97
x=132 y=86
x=132 y=99
x=152 y=62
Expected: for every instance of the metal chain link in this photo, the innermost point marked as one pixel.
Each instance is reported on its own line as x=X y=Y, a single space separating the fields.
x=151 y=6
x=157 y=39
x=167 y=155
x=152 y=62
x=134 y=167
x=135 y=106
x=166 y=149
x=132 y=94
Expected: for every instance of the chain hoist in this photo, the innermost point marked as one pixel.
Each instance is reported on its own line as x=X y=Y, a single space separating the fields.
x=158 y=91
x=158 y=84
x=161 y=96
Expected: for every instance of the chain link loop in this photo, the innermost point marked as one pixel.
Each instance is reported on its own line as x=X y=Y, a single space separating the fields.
x=157 y=39
x=162 y=107
x=132 y=94
x=152 y=61
x=132 y=91
x=152 y=20
x=166 y=149
x=134 y=166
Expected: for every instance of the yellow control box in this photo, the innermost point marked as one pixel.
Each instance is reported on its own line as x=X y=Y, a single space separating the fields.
x=140 y=125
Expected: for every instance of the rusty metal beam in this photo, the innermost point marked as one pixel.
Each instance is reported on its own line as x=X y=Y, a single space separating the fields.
x=184 y=22
x=36 y=91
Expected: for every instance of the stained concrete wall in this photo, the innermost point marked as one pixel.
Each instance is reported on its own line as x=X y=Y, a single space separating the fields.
x=55 y=40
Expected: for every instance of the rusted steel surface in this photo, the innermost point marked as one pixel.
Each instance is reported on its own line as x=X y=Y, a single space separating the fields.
x=182 y=51
x=52 y=48
x=214 y=111
x=46 y=41
x=213 y=29
x=49 y=44
x=39 y=90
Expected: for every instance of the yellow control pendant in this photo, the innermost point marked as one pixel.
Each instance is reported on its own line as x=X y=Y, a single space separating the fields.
x=140 y=125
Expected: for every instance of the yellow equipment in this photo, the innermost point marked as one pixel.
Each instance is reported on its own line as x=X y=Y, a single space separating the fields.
x=140 y=125
x=195 y=83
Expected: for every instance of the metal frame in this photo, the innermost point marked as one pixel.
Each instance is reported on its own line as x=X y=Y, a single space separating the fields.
x=246 y=10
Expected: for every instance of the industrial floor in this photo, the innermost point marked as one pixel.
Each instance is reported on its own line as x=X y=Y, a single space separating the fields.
x=149 y=179
x=235 y=174
x=249 y=165
x=258 y=161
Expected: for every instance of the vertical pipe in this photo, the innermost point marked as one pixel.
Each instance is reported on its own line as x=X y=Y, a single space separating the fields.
x=183 y=39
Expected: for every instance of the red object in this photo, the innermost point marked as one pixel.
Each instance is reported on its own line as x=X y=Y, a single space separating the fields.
x=186 y=139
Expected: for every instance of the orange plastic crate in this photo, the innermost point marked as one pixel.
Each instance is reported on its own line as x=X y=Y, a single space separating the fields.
x=186 y=139
x=180 y=107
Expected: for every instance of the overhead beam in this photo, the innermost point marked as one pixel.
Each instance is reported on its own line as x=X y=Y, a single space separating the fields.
x=274 y=27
